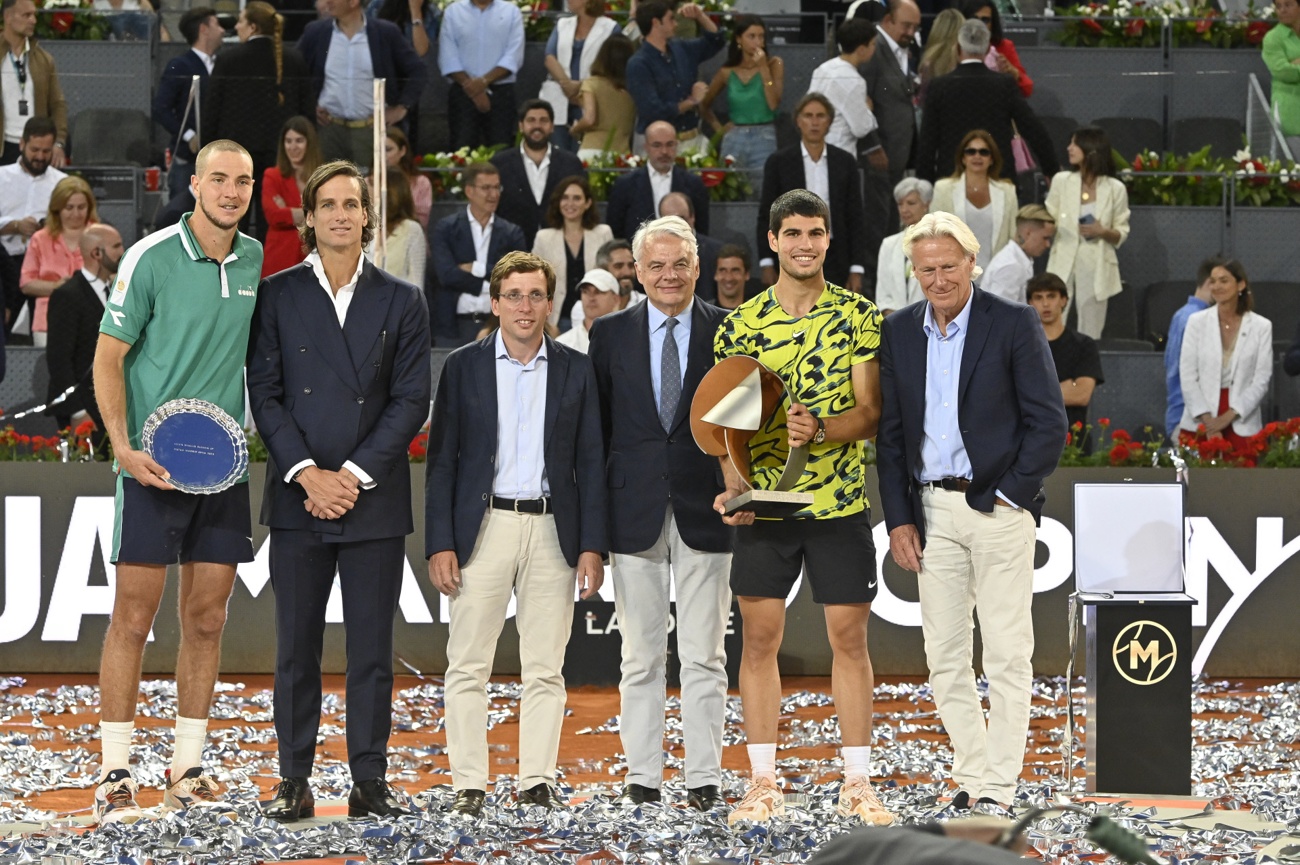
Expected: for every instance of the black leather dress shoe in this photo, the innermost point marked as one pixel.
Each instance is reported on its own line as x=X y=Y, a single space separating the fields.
x=704 y=798
x=468 y=802
x=292 y=801
x=376 y=796
x=960 y=802
x=638 y=794
x=541 y=795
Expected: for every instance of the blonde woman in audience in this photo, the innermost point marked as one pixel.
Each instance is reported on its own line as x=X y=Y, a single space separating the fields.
x=54 y=252
x=405 y=249
x=940 y=54
x=978 y=196
x=570 y=241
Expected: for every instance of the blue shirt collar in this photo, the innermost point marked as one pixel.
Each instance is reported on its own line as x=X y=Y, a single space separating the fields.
x=961 y=322
x=502 y=354
x=657 y=318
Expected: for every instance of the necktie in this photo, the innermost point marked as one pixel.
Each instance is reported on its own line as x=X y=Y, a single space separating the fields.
x=670 y=377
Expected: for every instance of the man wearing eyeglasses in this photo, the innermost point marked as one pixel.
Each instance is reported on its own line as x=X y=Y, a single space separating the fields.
x=514 y=503
x=29 y=83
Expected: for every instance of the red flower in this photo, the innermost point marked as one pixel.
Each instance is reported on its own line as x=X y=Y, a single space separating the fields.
x=1103 y=421
x=1077 y=426
x=1204 y=25
x=419 y=448
x=1135 y=27
x=1120 y=435
x=1256 y=31
x=1138 y=164
x=712 y=178
x=61 y=22
x=85 y=428
x=1091 y=24
x=1118 y=454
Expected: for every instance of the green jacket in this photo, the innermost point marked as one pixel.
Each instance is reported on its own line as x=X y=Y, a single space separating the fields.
x=1281 y=47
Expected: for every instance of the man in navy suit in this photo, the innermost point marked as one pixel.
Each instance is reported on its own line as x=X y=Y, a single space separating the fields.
x=514 y=503
x=530 y=172
x=338 y=376
x=203 y=33
x=465 y=248
x=649 y=360
x=972 y=423
x=635 y=197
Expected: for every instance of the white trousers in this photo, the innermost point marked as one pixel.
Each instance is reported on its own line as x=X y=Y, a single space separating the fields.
x=641 y=583
x=517 y=553
x=981 y=563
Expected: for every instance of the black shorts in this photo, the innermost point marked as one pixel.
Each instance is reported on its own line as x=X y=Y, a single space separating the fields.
x=839 y=555
x=163 y=527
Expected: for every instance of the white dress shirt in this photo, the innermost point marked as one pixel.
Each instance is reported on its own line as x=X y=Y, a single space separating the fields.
x=660 y=185
x=839 y=81
x=23 y=195
x=1008 y=273
x=99 y=285
x=537 y=172
x=899 y=52
x=576 y=337
x=521 y=422
x=468 y=304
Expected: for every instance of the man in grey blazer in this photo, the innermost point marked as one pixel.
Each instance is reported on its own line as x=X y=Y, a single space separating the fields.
x=891 y=75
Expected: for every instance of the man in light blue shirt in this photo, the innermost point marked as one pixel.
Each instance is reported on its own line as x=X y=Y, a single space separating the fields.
x=480 y=48
x=1174 y=345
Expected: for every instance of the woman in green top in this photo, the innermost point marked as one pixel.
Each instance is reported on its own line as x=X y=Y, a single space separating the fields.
x=1282 y=57
x=754 y=81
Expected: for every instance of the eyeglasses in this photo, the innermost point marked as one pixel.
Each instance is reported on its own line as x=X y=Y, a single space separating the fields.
x=517 y=298
x=978 y=151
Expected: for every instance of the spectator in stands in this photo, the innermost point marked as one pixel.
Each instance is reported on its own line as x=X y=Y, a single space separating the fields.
x=608 y=112
x=977 y=195
x=1282 y=57
x=635 y=196
x=29 y=84
x=343 y=88
x=25 y=188
x=1226 y=363
x=74 y=315
x=531 y=172
x=171 y=103
x=1001 y=56
x=1075 y=355
x=830 y=173
x=398 y=155
x=130 y=19
x=481 y=48
x=406 y=249
x=679 y=204
x=601 y=294
x=282 y=185
x=896 y=286
x=418 y=20
x=973 y=96
x=572 y=236
x=1010 y=271
x=571 y=52
x=732 y=276
x=891 y=75
x=1197 y=301
x=754 y=81
x=663 y=75
x=941 y=50
x=1091 y=208
x=54 y=252
x=616 y=257
x=840 y=82
x=465 y=247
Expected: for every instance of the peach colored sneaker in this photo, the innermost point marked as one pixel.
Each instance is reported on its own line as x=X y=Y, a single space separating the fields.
x=858 y=799
x=761 y=802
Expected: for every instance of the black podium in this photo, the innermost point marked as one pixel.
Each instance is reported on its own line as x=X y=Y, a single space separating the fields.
x=1139 y=657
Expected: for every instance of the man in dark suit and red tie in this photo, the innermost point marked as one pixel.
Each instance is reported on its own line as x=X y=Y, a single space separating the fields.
x=649 y=360
x=972 y=423
x=338 y=375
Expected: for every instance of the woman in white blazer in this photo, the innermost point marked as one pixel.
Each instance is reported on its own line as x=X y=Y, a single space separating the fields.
x=570 y=51
x=570 y=241
x=978 y=196
x=406 y=247
x=1090 y=205
x=896 y=287
x=1226 y=362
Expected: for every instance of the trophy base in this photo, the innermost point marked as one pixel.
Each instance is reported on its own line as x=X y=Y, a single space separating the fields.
x=769 y=504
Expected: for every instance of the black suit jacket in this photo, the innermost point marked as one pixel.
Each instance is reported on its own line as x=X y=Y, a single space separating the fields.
x=243 y=99
x=784 y=171
x=648 y=468
x=463 y=451
x=707 y=285
x=972 y=96
x=631 y=201
x=358 y=393
x=74 y=315
x=891 y=91
x=1009 y=411
x=452 y=243
x=517 y=204
x=173 y=93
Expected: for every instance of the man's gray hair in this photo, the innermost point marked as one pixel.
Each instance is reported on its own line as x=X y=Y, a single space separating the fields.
x=937 y=225
x=908 y=185
x=973 y=38
x=671 y=226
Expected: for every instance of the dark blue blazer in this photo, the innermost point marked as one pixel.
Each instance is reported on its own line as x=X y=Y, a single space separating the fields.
x=517 y=203
x=452 y=243
x=631 y=201
x=1010 y=411
x=331 y=394
x=391 y=56
x=173 y=93
x=463 y=451
x=647 y=467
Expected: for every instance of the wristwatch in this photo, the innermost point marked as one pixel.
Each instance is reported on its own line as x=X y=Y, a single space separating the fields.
x=820 y=435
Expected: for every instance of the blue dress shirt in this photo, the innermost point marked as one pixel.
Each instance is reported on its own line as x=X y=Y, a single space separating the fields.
x=348 y=90
x=521 y=425
x=1173 y=349
x=476 y=41
x=943 y=451
x=682 y=335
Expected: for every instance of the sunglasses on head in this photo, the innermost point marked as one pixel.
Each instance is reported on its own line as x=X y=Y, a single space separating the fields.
x=978 y=151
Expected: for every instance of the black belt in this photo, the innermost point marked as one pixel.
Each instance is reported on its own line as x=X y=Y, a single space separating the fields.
x=523 y=506
x=952 y=485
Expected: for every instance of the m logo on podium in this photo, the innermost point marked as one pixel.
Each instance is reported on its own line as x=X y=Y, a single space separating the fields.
x=1144 y=652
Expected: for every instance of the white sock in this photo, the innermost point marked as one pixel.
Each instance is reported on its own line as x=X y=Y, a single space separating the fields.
x=762 y=760
x=115 y=745
x=857 y=761
x=191 y=734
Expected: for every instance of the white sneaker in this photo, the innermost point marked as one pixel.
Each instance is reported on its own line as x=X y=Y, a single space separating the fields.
x=762 y=801
x=115 y=799
x=195 y=790
x=858 y=799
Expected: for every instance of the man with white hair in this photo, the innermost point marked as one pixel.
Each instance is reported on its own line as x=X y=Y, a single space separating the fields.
x=896 y=286
x=972 y=96
x=972 y=421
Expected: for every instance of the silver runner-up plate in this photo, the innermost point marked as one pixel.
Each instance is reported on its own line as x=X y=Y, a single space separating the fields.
x=202 y=448
x=770 y=504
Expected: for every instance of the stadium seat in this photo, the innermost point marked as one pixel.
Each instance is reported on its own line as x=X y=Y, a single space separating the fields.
x=1121 y=316
x=1279 y=302
x=1224 y=135
x=1162 y=300
x=1109 y=344
x=1132 y=135
x=112 y=136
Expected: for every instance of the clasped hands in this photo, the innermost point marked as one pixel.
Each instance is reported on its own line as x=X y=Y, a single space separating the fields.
x=330 y=495
x=477 y=91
